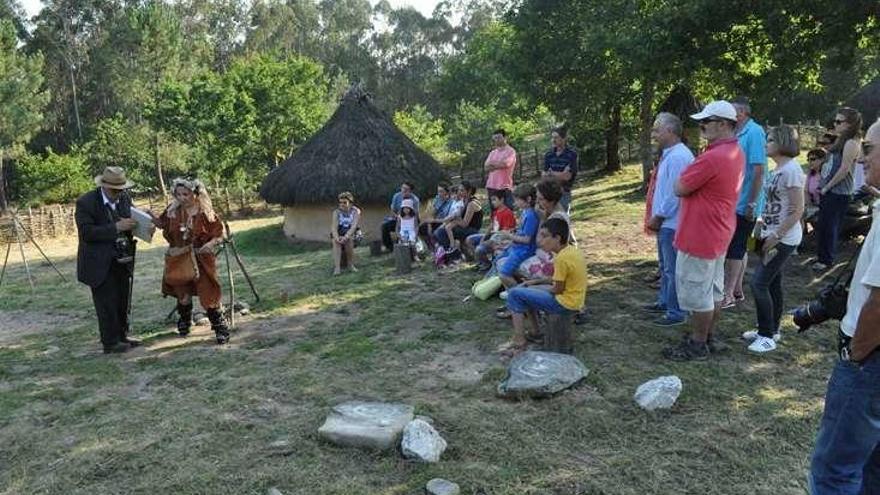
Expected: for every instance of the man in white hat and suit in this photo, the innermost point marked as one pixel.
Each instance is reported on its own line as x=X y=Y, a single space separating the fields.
x=105 y=257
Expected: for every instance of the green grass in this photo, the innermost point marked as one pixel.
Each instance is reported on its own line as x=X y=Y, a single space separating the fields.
x=187 y=417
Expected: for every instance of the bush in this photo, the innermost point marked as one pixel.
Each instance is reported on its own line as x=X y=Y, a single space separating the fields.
x=53 y=178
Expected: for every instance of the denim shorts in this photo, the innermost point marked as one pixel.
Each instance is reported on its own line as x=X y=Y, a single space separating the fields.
x=736 y=250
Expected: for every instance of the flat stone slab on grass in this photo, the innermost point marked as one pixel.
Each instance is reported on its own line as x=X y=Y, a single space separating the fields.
x=659 y=393
x=540 y=374
x=372 y=425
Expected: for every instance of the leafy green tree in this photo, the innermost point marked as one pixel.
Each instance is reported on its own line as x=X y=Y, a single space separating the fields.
x=288 y=96
x=216 y=118
x=117 y=142
x=426 y=131
x=22 y=97
x=54 y=178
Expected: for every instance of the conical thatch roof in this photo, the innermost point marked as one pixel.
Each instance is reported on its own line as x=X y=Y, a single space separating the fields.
x=867 y=101
x=359 y=150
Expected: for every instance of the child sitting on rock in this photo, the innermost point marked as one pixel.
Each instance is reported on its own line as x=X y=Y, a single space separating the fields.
x=564 y=296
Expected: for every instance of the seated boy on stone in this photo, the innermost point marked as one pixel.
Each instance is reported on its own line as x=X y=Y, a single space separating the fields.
x=565 y=295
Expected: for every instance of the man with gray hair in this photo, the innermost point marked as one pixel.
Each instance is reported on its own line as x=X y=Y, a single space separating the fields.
x=675 y=158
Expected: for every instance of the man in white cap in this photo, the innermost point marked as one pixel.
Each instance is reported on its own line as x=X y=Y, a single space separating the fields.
x=846 y=459
x=105 y=257
x=708 y=188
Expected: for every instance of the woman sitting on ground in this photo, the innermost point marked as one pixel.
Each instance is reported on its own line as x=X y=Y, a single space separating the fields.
x=190 y=225
x=466 y=223
x=344 y=224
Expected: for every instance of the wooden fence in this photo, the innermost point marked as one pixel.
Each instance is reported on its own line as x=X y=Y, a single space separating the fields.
x=44 y=222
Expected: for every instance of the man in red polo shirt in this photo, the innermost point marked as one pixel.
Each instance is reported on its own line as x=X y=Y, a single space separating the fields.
x=708 y=188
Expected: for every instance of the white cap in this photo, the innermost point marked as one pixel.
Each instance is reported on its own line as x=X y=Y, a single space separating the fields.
x=718 y=108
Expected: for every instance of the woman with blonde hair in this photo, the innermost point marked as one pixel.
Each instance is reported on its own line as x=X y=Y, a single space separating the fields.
x=343 y=228
x=193 y=230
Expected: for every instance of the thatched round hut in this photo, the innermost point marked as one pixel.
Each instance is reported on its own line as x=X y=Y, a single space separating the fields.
x=359 y=150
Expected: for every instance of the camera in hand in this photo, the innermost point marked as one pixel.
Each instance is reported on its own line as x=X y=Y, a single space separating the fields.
x=124 y=248
x=829 y=304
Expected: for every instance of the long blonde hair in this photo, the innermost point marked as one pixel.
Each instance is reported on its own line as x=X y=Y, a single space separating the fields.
x=201 y=193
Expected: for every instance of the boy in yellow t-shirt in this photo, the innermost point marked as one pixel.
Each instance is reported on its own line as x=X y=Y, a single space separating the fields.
x=565 y=295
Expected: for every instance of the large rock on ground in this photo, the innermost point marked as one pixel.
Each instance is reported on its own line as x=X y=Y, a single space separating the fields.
x=439 y=486
x=422 y=442
x=374 y=425
x=539 y=374
x=659 y=393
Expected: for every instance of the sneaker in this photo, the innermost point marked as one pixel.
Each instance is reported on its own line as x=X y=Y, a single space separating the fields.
x=763 y=344
x=687 y=350
x=665 y=321
x=819 y=266
x=753 y=334
x=654 y=308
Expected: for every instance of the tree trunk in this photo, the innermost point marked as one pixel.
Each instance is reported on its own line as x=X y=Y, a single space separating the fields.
x=159 y=166
x=612 y=140
x=646 y=118
x=3 y=203
x=79 y=131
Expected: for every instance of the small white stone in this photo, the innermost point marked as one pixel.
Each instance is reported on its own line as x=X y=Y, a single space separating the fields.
x=422 y=442
x=659 y=393
x=439 y=486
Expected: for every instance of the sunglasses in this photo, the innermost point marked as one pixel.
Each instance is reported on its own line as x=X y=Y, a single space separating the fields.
x=867 y=148
x=705 y=122
x=839 y=121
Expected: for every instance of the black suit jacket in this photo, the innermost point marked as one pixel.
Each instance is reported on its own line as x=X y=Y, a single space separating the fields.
x=97 y=236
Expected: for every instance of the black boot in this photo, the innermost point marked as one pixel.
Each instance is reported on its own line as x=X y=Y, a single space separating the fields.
x=218 y=325
x=184 y=323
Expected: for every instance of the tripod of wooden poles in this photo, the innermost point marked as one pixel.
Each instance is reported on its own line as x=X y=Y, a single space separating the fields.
x=20 y=231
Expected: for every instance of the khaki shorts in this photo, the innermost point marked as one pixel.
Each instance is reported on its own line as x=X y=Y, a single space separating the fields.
x=699 y=282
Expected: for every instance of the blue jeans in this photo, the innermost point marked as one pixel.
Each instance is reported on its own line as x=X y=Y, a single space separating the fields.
x=524 y=299
x=846 y=459
x=668 y=296
x=481 y=249
x=565 y=201
x=767 y=289
x=832 y=208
